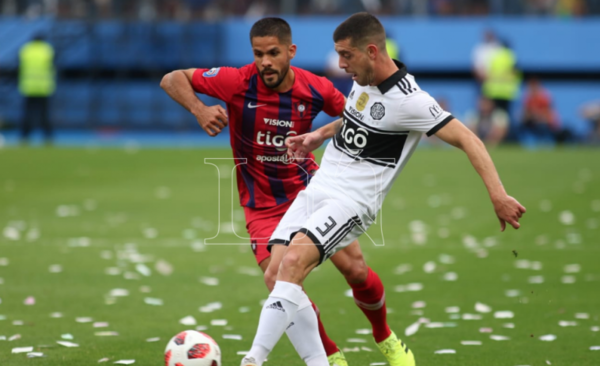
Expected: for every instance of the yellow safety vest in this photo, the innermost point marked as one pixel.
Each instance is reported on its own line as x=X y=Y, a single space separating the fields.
x=502 y=80
x=36 y=69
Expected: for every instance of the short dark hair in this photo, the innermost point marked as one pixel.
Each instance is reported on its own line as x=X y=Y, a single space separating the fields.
x=272 y=27
x=361 y=29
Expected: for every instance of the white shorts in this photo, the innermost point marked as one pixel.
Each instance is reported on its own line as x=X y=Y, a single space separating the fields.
x=330 y=223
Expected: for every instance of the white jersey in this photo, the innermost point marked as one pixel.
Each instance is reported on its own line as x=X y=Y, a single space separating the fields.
x=382 y=126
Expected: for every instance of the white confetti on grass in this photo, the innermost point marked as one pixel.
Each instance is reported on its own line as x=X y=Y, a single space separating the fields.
x=11 y=233
x=125 y=362
x=100 y=325
x=235 y=337
x=218 y=322
x=595 y=348
x=14 y=337
x=30 y=300
x=429 y=267
x=84 y=319
x=108 y=333
x=209 y=281
x=67 y=336
x=163 y=267
x=143 y=269
x=512 y=293
x=411 y=287
x=508 y=325
x=535 y=279
x=67 y=344
x=467 y=316
x=548 y=338
x=119 y=292
x=568 y=279
x=450 y=276
x=364 y=331
x=412 y=329
x=153 y=301
x=496 y=337
x=22 y=349
x=105 y=359
x=452 y=309
x=419 y=304
x=566 y=218
x=572 y=268
x=567 y=323
x=471 y=343
x=154 y=339
x=55 y=268
x=356 y=340
x=210 y=307
x=188 y=320
x=35 y=355
x=482 y=308
x=445 y=351
x=595 y=328
x=4 y=262
x=504 y=314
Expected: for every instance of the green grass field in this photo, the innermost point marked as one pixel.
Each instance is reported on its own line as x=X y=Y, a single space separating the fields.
x=121 y=219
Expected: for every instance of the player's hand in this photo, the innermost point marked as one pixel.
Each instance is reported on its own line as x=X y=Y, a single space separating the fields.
x=212 y=119
x=508 y=210
x=300 y=146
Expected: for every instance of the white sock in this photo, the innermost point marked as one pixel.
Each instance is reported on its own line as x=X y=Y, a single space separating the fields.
x=277 y=313
x=303 y=332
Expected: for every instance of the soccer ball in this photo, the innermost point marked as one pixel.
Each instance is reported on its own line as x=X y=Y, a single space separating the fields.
x=192 y=348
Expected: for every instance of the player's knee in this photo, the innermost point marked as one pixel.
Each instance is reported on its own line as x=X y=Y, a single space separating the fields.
x=355 y=270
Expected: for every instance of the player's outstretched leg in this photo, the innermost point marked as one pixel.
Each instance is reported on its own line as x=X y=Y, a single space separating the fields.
x=302 y=325
x=285 y=301
x=369 y=296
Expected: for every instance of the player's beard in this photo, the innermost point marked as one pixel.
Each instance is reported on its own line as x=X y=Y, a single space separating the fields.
x=279 y=80
x=367 y=77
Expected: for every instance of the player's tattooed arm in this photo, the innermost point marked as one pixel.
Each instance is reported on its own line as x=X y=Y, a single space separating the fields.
x=508 y=209
x=178 y=85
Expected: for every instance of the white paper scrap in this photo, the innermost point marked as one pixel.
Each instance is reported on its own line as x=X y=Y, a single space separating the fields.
x=210 y=281
x=452 y=309
x=364 y=331
x=67 y=344
x=595 y=328
x=471 y=343
x=450 y=276
x=210 y=307
x=508 y=325
x=155 y=339
x=595 y=348
x=512 y=293
x=105 y=359
x=84 y=319
x=378 y=364
x=235 y=337
x=445 y=351
x=535 y=279
x=419 y=304
x=582 y=316
x=14 y=337
x=125 y=362
x=468 y=316
x=106 y=334
x=567 y=323
x=153 y=301
x=100 y=325
x=56 y=315
x=548 y=337
x=67 y=336
x=496 y=337
x=572 y=268
x=119 y=292
x=429 y=267
x=35 y=354
x=356 y=340
x=482 y=308
x=218 y=322
x=504 y=314
x=412 y=329
x=22 y=349
x=188 y=320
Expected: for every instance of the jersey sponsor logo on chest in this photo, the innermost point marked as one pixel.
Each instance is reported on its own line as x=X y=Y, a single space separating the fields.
x=278 y=122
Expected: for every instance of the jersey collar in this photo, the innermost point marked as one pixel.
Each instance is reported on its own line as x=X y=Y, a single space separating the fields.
x=388 y=83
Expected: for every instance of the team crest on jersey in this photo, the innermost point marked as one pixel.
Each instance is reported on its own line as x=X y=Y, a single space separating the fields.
x=300 y=108
x=351 y=95
x=362 y=101
x=212 y=72
x=377 y=111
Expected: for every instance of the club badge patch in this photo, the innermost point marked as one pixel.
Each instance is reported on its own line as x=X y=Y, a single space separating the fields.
x=362 y=101
x=377 y=111
x=211 y=73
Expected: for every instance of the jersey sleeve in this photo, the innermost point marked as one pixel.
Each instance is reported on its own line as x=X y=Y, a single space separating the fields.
x=420 y=112
x=218 y=82
x=334 y=99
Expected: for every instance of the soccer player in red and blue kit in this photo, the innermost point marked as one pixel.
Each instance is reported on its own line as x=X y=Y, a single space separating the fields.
x=268 y=101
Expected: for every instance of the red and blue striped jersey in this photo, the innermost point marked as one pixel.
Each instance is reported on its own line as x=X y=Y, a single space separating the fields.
x=260 y=120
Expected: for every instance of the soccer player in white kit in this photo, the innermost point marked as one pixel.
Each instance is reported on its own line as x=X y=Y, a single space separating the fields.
x=386 y=114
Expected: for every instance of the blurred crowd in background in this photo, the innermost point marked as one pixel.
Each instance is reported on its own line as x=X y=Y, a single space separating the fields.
x=182 y=10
